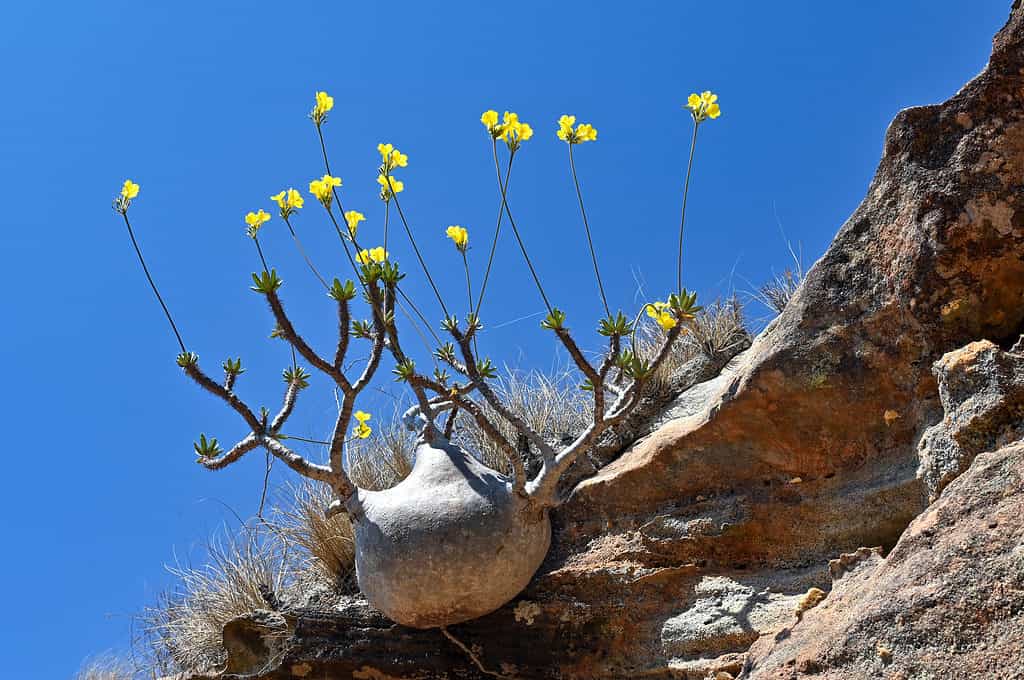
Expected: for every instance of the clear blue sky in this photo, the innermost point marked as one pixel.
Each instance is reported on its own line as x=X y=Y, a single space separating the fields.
x=204 y=104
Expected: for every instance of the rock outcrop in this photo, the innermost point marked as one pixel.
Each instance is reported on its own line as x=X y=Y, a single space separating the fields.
x=982 y=392
x=705 y=535
x=947 y=602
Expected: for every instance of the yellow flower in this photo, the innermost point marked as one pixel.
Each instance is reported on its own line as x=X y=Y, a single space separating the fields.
x=584 y=132
x=362 y=430
x=323 y=189
x=255 y=220
x=459 y=236
x=324 y=103
x=288 y=201
x=389 y=186
x=129 y=190
x=376 y=255
x=703 y=106
x=565 y=124
x=353 y=218
x=513 y=131
x=659 y=311
x=391 y=157
x=490 y=120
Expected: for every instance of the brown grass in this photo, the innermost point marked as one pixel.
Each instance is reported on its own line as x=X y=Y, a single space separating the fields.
x=325 y=546
x=105 y=668
x=719 y=328
x=184 y=627
x=554 y=406
x=776 y=293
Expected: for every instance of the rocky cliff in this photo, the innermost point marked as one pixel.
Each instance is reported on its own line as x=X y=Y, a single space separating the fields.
x=830 y=434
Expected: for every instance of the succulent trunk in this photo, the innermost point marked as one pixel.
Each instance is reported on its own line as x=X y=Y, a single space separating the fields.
x=452 y=542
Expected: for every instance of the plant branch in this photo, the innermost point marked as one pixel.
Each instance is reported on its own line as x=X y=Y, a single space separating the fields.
x=310 y=355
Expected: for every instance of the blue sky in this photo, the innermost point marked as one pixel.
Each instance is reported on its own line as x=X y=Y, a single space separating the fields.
x=204 y=105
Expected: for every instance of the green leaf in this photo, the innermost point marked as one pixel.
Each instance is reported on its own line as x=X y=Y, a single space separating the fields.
x=207 y=449
x=486 y=369
x=266 y=282
x=450 y=324
x=554 y=321
x=186 y=359
x=389 y=273
x=361 y=329
x=233 y=367
x=446 y=353
x=297 y=375
x=404 y=371
x=342 y=292
x=617 y=325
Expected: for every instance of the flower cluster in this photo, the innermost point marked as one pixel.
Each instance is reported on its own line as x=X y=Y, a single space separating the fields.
x=255 y=220
x=323 y=189
x=459 y=236
x=584 y=132
x=391 y=158
x=129 y=190
x=703 y=106
x=362 y=430
x=352 y=219
x=511 y=130
x=376 y=255
x=660 y=312
x=288 y=201
x=324 y=103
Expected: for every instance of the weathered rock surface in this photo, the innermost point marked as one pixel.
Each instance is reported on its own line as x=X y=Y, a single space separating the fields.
x=947 y=602
x=702 y=536
x=982 y=392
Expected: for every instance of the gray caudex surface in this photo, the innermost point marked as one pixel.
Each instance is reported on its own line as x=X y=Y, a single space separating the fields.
x=453 y=541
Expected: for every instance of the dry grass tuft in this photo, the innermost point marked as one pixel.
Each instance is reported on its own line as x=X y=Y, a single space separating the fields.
x=776 y=293
x=719 y=328
x=105 y=668
x=383 y=460
x=554 y=406
x=326 y=548
x=184 y=628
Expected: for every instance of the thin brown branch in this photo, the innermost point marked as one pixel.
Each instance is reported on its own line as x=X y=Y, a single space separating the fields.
x=193 y=371
x=344 y=318
x=237 y=451
x=494 y=402
x=308 y=353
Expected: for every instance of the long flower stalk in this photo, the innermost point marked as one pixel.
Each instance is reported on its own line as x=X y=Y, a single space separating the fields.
x=515 y=230
x=497 y=227
x=682 y=217
x=145 y=269
x=586 y=227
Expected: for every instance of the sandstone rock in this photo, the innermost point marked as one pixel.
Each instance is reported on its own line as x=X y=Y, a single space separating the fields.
x=837 y=391
x=948 y=601
x=982 y=392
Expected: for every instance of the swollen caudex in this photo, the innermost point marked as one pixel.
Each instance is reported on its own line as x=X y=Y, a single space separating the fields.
x=456 y=539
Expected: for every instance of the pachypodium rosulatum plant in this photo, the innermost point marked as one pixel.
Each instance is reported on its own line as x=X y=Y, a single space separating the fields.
x=456 y=539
